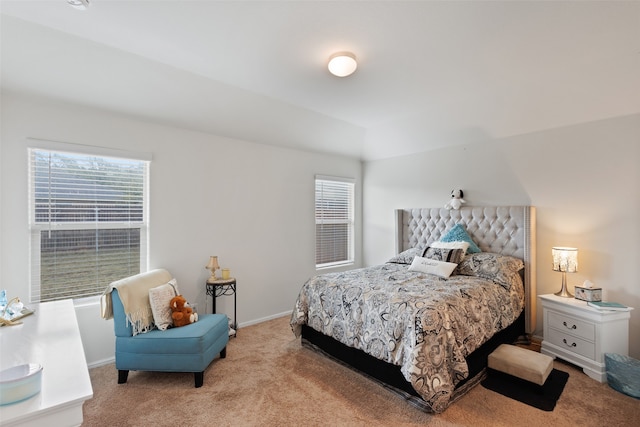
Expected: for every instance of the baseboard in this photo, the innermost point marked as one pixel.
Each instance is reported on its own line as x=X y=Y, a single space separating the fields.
x=264 y=319
x=102 y=362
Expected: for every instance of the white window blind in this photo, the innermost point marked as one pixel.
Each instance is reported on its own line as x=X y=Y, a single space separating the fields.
x=334 y=221
x=88 y=222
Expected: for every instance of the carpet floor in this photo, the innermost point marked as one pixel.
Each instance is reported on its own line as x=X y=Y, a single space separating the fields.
x=269 y=379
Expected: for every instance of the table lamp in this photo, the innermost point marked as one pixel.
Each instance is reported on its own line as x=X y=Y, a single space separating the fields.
x=565 y=260
x=213 y=266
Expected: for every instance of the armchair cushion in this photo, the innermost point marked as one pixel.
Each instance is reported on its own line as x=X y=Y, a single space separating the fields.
x=187 y=349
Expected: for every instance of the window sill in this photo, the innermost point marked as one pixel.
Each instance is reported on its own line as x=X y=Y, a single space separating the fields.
x=335 y=266
x=86 y=301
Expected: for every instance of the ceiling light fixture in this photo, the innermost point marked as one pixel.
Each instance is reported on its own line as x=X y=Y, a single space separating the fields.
x=342 y=64
x=79 y=4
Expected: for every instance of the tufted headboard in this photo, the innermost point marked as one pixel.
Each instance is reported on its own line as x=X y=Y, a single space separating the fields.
x=508 y=230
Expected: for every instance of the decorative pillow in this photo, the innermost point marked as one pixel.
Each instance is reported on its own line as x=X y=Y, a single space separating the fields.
x=442 y=254
x=406 y=257
x=458 y=234
x=451 y=245
x=431 y=266
x=159 y=298
x=502 y=269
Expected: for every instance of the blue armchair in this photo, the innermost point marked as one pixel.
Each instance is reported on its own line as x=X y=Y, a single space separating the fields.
x=188 y=348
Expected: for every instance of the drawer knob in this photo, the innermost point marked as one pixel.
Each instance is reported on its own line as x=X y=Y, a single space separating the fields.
x=564 y=340
x=569 y=327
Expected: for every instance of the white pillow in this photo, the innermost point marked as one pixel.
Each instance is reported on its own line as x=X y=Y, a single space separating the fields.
x=451 y=245
x=432 y=266
x=159 y=298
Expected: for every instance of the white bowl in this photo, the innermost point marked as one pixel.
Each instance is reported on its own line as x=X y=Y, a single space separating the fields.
x=20 y=382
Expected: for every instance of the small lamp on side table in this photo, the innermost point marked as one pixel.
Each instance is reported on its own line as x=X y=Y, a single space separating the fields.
x=213 y=266
x=565 y=260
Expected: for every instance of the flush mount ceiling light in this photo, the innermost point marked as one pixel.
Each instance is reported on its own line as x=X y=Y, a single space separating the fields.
x=342 y=64
x=79 y=4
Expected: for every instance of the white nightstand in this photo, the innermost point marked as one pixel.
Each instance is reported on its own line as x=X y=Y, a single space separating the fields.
x=580 y=334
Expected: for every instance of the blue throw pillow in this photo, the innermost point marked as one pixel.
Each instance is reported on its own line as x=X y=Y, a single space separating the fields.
x=459 y=234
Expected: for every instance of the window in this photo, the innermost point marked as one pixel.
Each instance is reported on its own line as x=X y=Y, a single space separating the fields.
x=334 y=221
x=88 y=222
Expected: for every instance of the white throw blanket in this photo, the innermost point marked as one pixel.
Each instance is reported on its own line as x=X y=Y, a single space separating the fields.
x=134 y=294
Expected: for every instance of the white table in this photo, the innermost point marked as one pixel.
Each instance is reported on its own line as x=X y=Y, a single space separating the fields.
x=580 y=334
x=51 y=338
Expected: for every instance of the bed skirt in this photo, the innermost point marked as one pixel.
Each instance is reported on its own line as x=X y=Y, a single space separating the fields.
x=390 y=376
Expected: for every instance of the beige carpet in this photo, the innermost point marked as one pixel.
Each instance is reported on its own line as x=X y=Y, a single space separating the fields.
x=269 y=379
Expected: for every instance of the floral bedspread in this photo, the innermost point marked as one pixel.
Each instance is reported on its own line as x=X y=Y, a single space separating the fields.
x=425 y=324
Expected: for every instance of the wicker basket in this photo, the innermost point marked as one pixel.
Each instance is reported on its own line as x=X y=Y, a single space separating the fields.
x=623 y=374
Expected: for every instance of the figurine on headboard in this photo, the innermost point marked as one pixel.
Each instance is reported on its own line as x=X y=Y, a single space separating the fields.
x=456 y=200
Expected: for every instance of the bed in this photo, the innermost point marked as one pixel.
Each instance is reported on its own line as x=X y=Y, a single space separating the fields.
x=424 y=336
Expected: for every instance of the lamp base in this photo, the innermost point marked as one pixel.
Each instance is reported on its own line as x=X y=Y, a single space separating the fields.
x=564 y=292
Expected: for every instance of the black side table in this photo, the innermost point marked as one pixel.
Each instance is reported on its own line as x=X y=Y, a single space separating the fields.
x=224 y=287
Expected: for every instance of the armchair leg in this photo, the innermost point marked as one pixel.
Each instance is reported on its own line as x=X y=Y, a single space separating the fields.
x=223 y=353
x=199 y=377
x=122 y=376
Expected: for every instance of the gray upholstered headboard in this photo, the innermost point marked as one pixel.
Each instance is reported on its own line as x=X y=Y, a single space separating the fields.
x=508 y=230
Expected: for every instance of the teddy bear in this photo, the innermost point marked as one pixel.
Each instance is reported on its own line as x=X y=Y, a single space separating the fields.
x=181 y=313
x=456 y=200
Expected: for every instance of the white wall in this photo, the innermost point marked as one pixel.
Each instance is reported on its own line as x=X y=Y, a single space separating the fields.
x=250 y=204
x=583 y=179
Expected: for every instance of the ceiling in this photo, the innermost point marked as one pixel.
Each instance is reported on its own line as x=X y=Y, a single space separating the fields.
x=431 y=74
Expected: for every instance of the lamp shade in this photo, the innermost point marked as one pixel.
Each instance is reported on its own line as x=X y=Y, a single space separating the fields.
x=565 y=259
x=342 y=64
x=213 y=264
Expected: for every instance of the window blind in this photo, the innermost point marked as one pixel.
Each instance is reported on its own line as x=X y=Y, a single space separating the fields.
x=88 y=221
x=334 y=215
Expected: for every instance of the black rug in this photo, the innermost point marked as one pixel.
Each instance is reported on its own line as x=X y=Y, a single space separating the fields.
x=542 y=397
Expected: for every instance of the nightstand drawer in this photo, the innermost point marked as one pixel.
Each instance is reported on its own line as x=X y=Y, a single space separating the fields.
x=571 y=325
x=571 y=343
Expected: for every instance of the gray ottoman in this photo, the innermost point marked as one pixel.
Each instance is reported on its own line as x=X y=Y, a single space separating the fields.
x=522 y=363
